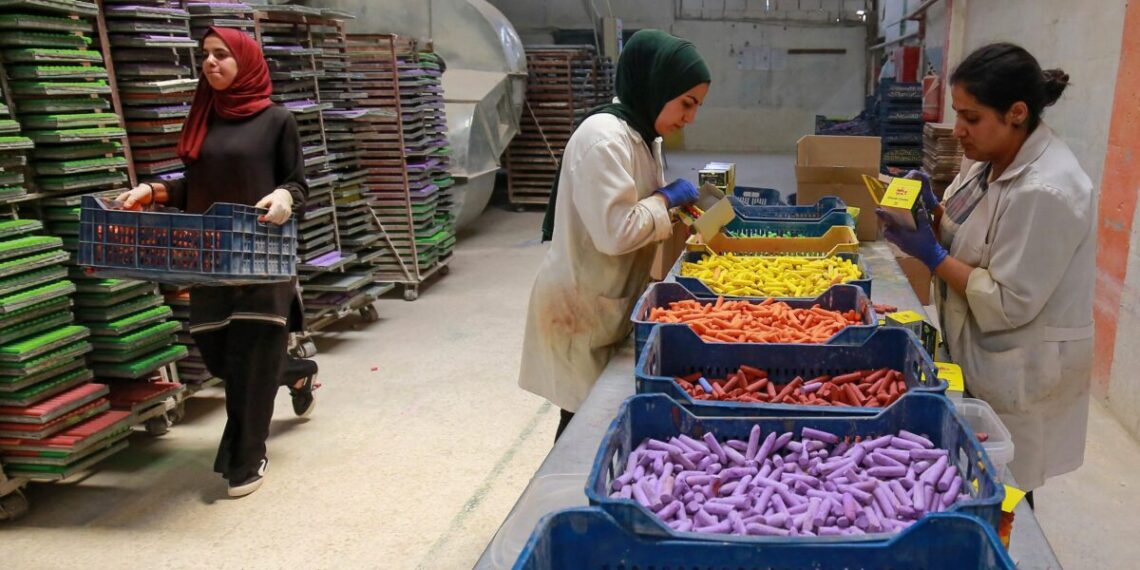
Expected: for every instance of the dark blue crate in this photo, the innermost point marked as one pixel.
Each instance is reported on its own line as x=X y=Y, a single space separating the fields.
x=225 y=245
x=589 y=538
x=676 y=350
x=837 y=298
x=812 y=212
x=660 y=417
x=754 y=196
x=698 y=287
x=790 y=228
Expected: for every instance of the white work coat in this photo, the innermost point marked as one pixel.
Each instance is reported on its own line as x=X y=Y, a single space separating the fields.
x=606 y=223
x=1023 y=331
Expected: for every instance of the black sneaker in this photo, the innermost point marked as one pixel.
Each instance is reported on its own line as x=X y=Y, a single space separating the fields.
x=251 y=484
x=303 y=401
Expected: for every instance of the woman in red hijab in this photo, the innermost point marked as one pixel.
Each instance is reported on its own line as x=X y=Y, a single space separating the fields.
x=240 y=147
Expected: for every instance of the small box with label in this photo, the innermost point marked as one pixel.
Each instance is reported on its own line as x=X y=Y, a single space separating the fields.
x=913 y=321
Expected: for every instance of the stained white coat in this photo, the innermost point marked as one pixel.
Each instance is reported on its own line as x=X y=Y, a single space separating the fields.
x=606 y=225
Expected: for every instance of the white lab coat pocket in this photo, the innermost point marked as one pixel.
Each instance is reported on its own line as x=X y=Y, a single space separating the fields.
x=1003 y=384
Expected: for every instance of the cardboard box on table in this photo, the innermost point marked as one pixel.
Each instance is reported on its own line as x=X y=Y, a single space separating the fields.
x=834 y=166
x=668 y=251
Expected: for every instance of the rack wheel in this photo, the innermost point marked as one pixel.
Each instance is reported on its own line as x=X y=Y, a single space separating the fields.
x=444 y=270
x=177 y=413
x=411 y=293
x=306 y=349
x=158 y=425
x=369 y=313
x=13 y=506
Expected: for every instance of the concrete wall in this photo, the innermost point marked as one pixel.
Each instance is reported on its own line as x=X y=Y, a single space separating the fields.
x=762 y=98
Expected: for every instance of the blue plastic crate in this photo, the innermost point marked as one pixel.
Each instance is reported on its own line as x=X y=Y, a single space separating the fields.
x=676 y=350
x=589 y=538
x=698 y=287
x=660 y=417
x=225 y=245
x=813 y=212
x=837 y=298
x=758 y=196
x=743 y=227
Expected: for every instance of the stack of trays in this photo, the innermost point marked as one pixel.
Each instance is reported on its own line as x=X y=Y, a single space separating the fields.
x=561 y=86
x=45 y=386
x=404 y=147
x=204 y=15
x=154 y=66
x=14 y=149
x=75 y=449
x=192 y=369
x=942 y=153
x=62 y=96
x=438 y=156
x=131 y=339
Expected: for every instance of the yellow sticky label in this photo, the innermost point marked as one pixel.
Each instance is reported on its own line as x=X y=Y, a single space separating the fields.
x=952 y=374
x=905 y=317
x=1013 y=496
x=901 y=193
x=882 y=322
x=974 y=482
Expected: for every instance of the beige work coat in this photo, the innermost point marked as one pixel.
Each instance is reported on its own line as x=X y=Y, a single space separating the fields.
x=1023 y=331
x=606 y=223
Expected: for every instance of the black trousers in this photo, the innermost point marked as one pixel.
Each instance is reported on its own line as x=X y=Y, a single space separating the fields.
x=250 y=357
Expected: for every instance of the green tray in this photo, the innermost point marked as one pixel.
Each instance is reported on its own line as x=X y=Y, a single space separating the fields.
x=24 y=264
x=66 y=460
x=16 y=143
x=136 y=339
x=131 y=323
x=27 y=245
x=86 y=284
x=14 y=228
x=13 y=303
x=119 y=311
x=78 y=374
x=77 y=152
x=43 y=23
x=122 y=295
x=12 y=384
x=70 y=121
x=32 y=347
x=142 y=366
x=36 y=311
x=45 y=362
x=71 y=105
x=80 y=166
x=42 y=39
x=36 y=326
x=104 y=357
x=62 y=472
x=75 y=135
x=23 y=281
x=37 y=55
x=11 y=179
x=82 y=181
x=54 y=72
x=66 y=7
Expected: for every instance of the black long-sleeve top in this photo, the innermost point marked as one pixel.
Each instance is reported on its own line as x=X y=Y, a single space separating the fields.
x=240 y=162
x=243 y=160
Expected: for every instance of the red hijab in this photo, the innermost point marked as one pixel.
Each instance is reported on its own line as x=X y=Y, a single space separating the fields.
x=247 y=96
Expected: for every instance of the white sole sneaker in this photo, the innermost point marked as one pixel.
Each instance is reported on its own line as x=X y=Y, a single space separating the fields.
x=250 y=485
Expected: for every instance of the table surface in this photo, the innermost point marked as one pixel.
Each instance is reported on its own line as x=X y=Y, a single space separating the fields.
x=561 y=479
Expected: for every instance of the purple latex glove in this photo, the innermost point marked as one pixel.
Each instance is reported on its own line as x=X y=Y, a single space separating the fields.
x=929 y=199
x=919 y=243
x=679 y=192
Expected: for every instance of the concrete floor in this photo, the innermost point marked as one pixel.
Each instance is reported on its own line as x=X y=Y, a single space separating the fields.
x=420 y=444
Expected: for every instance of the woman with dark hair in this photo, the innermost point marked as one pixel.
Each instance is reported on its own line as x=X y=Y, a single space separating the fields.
x=1013 y=249
x=611 y=210
x=239 y=147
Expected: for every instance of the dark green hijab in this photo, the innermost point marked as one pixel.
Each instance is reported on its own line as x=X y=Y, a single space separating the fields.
x=653 y=69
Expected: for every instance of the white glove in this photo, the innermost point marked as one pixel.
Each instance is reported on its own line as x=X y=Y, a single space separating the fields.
x=280 y=206
x=138 y=197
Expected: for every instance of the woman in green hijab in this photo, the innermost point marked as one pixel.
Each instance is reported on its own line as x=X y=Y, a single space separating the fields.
x=611 y=209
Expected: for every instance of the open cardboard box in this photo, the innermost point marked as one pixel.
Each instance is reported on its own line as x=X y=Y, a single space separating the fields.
x=835 y=166
x=668 y=251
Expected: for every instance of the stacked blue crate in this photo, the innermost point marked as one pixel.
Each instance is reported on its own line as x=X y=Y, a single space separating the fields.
x=900 y=124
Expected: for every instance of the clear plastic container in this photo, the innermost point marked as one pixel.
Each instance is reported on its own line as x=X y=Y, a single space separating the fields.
x=983 y=418
x=544 y=495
